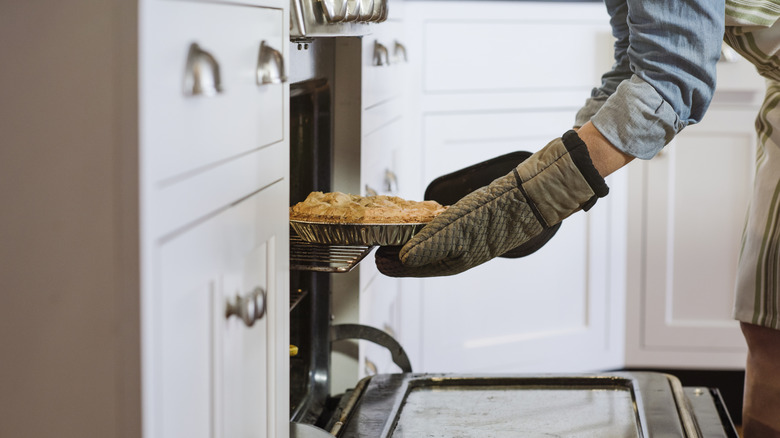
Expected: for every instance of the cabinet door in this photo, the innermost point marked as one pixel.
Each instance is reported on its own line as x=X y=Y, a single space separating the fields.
x=379 y=308
x=533 y=314
x=216 y=376
x=695 y=197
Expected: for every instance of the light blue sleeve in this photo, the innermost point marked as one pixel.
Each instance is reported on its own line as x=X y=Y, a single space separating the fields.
x=664 y=73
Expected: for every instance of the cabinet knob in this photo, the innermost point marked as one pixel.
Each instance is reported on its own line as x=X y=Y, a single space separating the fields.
x=201 y=75
x=270 y=66
x=380 y=51
x=250 y=307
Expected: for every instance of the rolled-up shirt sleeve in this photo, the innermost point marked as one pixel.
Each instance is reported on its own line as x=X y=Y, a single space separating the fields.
x=664 y=73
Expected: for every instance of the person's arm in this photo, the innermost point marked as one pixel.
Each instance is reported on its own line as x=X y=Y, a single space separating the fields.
x=670 y=48
x=605 y=156
x=671 y=52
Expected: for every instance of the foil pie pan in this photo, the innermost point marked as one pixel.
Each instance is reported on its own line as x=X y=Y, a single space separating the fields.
x=356 y=234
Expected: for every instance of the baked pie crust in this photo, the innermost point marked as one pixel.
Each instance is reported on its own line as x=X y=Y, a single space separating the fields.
x=343 y=208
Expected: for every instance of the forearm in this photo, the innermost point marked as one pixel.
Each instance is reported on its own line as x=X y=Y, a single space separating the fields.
x=605 y=156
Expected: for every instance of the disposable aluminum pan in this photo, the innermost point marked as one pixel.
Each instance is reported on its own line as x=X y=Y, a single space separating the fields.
x=356 y=234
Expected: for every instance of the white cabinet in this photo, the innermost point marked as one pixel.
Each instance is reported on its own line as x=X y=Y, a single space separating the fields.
x=152 y=208
x=498 y=78
x=646 y=278
x=686 y=215
x=215 y=184
x=219 y=376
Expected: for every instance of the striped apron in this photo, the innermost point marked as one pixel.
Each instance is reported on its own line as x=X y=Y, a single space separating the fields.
x=753 y=30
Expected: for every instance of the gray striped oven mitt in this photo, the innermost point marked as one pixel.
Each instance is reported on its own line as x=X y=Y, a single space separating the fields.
x=546 y=188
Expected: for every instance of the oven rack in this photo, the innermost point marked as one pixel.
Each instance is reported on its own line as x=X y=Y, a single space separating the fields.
x=307 y=256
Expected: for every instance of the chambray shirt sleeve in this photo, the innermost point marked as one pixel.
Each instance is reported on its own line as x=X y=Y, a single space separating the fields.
x=664 y=73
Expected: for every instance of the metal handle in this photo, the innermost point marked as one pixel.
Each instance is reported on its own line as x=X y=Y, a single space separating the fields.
x=340 y=332
x=376 y=11
x=370 y=368
x=370 y=191
x=379 y=51
x=352 y=11
x=249 y=308
x=270 y=65
x=391 y=181
x=400 y=48
x=333 y=13
x=201 y=76
x=366 y=10
x=383 y=12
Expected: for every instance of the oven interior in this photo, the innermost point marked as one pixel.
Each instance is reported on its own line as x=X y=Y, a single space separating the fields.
x=629 y=404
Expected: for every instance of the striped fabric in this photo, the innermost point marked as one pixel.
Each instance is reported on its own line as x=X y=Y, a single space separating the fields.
x=759 y=45
x=752 y=12
x=758 y=277
x=753 y=30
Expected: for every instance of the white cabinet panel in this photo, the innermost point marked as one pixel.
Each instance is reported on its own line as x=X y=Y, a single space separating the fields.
x=379 y=308
x=483 y=55
x=183 y=134
x=455 y=141
x=695 y=200
x=218 y=376
x=514 y=315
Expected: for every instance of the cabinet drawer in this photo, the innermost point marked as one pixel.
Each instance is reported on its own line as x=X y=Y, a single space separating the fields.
x=508 y=54
x=183 y=134
x=378 y=158
x=386 y=81
x=178 y=204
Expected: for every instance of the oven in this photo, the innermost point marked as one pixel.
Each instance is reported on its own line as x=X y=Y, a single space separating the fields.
x=408 y=404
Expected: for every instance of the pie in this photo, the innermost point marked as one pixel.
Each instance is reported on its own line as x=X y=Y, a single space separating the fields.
x=337 y=207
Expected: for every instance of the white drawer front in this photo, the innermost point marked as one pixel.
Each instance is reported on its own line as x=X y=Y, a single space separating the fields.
x=513 y=55
x=181 y=134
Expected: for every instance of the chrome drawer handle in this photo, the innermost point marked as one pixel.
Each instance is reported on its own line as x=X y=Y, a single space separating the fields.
x=399 y=52
x=391 y=181
x=249 y=308
x=380 y=51
x=270 y=65
x=370 y=191
x=201 y=76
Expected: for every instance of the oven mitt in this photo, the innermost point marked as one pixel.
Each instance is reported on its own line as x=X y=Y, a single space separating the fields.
x=546 y=188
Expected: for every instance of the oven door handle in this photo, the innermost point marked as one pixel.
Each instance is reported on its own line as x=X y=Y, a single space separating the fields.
x=340 y=332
